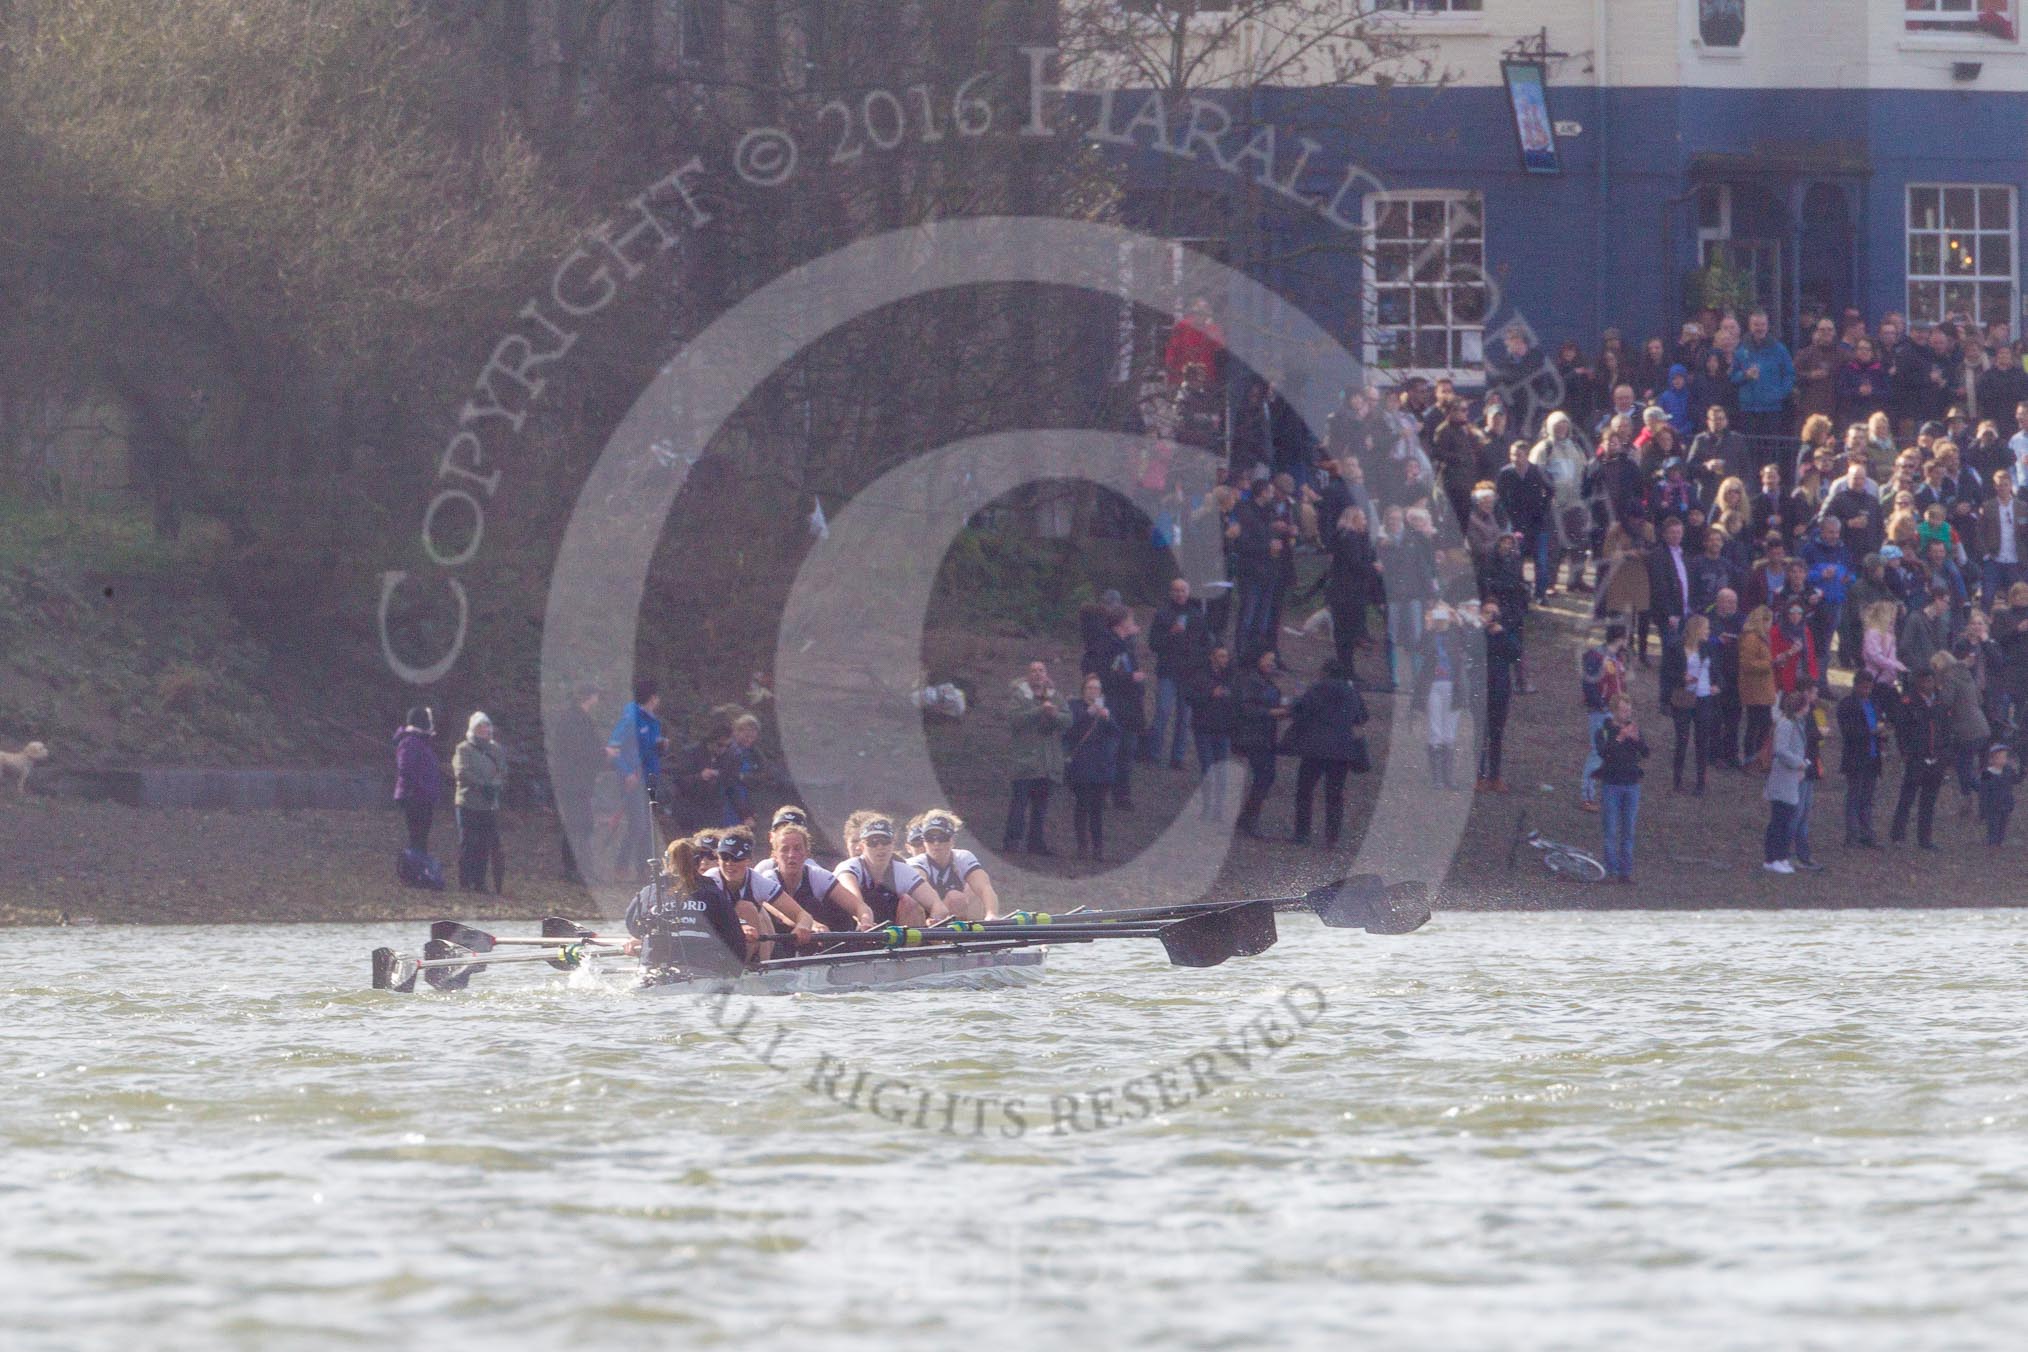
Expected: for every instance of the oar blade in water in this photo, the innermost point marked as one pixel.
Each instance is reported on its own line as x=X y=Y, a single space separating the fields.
x=1401 y=909
x=1347 y=903
x=1210 y=939
x=447 y=978
x=391 y=973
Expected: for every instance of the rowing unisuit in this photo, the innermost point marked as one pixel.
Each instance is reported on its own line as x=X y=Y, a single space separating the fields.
x=813 y=892
x=950 y=877
x=883 y=893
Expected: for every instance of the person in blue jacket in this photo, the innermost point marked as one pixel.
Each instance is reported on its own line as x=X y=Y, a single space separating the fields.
x=635 y=750
x=1674 y=400
x=1765 y=375
x=1829 y=560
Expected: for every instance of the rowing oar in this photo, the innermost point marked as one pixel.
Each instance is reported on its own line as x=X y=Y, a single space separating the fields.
x=478 y=941
x=1203 y=939
x=449 y=966
x=1361 y=902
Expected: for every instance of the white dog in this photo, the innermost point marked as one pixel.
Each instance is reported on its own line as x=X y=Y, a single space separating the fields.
x=15 y=765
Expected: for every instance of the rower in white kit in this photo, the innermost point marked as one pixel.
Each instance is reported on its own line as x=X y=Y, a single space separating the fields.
x=776 y=911
x=955 y=875
x=884 y=883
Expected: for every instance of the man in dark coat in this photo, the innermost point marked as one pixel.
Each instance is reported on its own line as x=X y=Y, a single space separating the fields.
x=1256 y=549
x=1925 y=738
x=1503 y=653
x=1669 y=583
x=1861 y=723
x=1180 y=639
x=1324 y=733
x=1214 y=719
x=1119 y=671
x=1523 y=491
x=1719 y=442
x=1854 y=500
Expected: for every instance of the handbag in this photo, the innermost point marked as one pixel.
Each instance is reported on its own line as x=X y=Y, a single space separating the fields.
x=1359 y=761
x=1763 y=759
x=1681 y=699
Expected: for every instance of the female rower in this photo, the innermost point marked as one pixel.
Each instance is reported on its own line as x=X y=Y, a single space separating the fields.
x=776 y=912
x=812 y=887
x=890 y=887
x=953 y=874
x=686 y=921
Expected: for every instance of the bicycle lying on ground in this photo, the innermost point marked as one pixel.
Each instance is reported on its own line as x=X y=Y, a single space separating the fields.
x=1567 y=860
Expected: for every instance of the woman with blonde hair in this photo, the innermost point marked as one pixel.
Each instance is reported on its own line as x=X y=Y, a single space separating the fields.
x=812 y=887
x=1563 y=458
x=1730 y=508
x=1880 y=620
x=1757 y=677
x=883 y=882
x=955 y=875
x=1880 y=447
x=775 y=913
x=1689 y=693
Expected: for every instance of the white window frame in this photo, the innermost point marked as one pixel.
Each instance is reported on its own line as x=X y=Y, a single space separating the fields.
x=1439 y=9
x=1962 y=16
x=1708 y=235
x=1911 y=278
x=1465 y=373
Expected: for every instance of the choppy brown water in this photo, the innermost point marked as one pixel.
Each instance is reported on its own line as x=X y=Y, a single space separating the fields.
x=1506 y=1131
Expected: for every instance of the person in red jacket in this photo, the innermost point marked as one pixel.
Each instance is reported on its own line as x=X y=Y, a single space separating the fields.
x=1796 y=662
x=1195 y=341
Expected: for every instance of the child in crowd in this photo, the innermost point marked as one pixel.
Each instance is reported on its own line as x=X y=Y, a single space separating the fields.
x=1935 y=527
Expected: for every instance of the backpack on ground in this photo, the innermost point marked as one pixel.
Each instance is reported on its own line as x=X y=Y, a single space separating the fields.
x=416 y=868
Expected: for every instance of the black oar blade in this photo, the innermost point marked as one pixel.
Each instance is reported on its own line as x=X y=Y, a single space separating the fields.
x=1401 y=909
x=1253 y=928
x=557 y=927
x=464 y=936
x=1348 y=903
x=447 y=978
x=1211 y=938
x=388 y=974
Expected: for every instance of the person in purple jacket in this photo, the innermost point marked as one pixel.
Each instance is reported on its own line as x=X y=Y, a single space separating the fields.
x=418 y=777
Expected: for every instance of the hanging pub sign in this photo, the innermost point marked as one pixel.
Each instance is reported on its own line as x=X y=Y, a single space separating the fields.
x=1721 y=23
x=1528 y=94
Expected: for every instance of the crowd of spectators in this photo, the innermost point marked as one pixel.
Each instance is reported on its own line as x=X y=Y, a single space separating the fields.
x=1755 y=526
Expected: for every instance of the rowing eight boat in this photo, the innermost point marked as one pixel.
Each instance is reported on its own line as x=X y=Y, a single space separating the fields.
x=965 y=955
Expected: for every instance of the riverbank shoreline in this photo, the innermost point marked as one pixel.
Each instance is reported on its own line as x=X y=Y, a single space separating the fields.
x=122 y=864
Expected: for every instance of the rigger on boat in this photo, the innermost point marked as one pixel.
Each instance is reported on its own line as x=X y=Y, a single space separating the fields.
x=712 y=922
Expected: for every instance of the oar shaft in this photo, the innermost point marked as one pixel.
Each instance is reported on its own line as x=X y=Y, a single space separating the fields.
x=522 y=941
x=528 y=955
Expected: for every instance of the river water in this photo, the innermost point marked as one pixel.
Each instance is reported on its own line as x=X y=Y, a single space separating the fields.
x=1573 y=1131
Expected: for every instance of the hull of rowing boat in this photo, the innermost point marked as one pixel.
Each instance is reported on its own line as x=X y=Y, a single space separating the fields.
x=871 y=972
